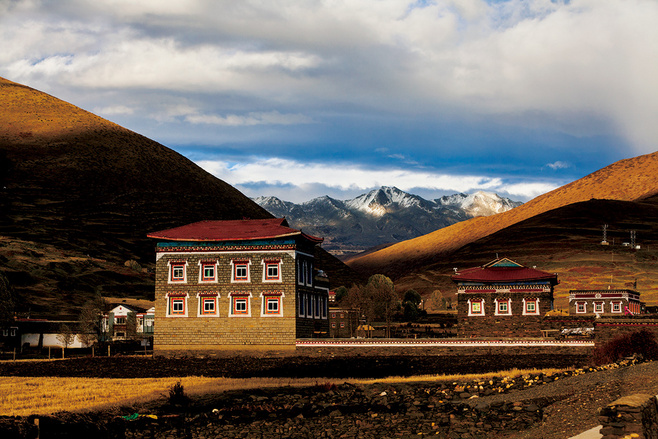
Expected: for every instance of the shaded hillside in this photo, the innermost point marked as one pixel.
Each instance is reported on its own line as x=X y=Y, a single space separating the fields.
x=78 y=194
x=626 y=180
x=566 y=241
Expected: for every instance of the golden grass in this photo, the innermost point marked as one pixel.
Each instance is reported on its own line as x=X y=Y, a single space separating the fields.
x=24 y=396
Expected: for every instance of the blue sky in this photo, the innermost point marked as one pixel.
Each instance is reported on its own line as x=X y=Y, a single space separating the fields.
x=300 y=99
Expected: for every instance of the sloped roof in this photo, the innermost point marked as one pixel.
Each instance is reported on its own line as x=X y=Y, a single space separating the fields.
x=503 y=270
x=232 y=230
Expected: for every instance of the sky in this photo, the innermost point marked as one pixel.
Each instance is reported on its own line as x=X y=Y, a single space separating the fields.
x=300 y=99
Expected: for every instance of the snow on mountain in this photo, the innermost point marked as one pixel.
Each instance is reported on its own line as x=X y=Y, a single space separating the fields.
x=381 y=216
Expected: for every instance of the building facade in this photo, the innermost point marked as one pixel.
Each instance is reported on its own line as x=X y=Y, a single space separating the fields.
x=124 y=322
x=244 y=284
x=503 y=299
x=604 y=302
x=343 y=322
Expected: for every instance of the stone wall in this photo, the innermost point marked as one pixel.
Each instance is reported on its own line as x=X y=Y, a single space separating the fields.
x=634 y=416
x=197 y=333
x=611 y=327
x=492 y=325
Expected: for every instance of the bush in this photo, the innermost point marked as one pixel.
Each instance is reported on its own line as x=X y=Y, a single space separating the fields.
x=177 y=395
x=642 y=343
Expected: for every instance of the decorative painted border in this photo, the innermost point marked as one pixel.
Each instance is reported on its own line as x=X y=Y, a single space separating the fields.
x=447 y=343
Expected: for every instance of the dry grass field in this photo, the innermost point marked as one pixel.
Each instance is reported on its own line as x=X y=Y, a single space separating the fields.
x=24 y=396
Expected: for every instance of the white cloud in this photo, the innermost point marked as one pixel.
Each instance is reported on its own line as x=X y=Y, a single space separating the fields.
x=275 y=173
x=558 y=165
x=113 y=110
x=255 y=118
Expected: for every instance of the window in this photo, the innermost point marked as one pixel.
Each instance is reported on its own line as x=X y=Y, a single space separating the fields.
x=120 y=321
x=208 y=306
x=598 y=307
x=342 y=324
x=475 y=307
x=581 y=307
x=318 y=302
x=176 y=304
x=207 y=271
x=342 y=316
x=177 y=272
x=503 y=307
x=271 y=270
x=240 y=270
x=309 y=275
x=272 y=304
x=531 y=307
x=615 y=307
x=325 y=306
x=333 y=325
x=13 y=332
x=240 y=304
x=333 y=315
x=302 y=304
x=300 y=271
x=309 y=305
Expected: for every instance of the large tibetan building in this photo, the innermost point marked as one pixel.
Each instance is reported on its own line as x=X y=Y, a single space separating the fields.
x=245 y=284
x=503 y=299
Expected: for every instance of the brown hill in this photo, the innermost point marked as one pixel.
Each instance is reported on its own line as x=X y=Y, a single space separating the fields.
x=78 y=194
x=626 y=180
x=566 y=241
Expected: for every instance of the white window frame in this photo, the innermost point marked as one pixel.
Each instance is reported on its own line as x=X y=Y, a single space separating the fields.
x=301 y=305
x=174 y=297
x=309 y=274
x=584 y=311
x=271 y=296
x=309 y=305
x=202 y=278
x=172 y=265
x=204 y=297
x=508 y=304
x=236 y=296
x=300 y=272
x=526 y=302
x=240 y=262
x=599 y=304
x=612 y=306
x=472 y=302
x=267 y=262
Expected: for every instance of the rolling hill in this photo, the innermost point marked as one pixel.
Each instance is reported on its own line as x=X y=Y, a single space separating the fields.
x=78 y=194
x=626 y=180
x=566 y=241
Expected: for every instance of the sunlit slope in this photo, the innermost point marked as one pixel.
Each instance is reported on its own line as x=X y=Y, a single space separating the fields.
x=625 y=180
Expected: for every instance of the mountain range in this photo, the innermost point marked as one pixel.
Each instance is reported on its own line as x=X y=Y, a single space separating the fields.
x=382 y=216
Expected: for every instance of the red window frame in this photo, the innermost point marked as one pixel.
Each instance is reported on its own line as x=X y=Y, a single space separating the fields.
x=240 y=265
x=578 y=307
x=240 y=300
x=172 y=309
x=471 y=307
x=208 y=300
x=275 y=265
x=174 y=267
x=275 y=301
x=213 y=267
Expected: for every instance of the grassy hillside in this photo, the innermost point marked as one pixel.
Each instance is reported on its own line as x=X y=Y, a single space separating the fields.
x=566 y=241
x=78 y=194
x=625 y=180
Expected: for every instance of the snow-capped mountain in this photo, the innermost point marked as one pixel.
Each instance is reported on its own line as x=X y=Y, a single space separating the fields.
x=381 y=216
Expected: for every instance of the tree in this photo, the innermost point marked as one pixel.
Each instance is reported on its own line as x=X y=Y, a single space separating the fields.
x=410 y=304
x=92 y=329
x=66 y=335
x=413 y=297
x=7 y=301
x=341 y=293
x=381 y=298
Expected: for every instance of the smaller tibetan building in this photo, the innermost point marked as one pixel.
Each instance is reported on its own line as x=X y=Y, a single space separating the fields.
x=604 y=302
x=503 y=299
x=243 y=284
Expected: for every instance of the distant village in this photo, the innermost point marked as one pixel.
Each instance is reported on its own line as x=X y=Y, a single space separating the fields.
x=251 y=285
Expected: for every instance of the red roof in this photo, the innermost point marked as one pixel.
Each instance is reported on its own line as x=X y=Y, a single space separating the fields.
x=490 y=273
x=232 y=230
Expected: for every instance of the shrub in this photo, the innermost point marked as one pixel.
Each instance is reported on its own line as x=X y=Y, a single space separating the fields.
x=642 y=343
x=177 y=395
